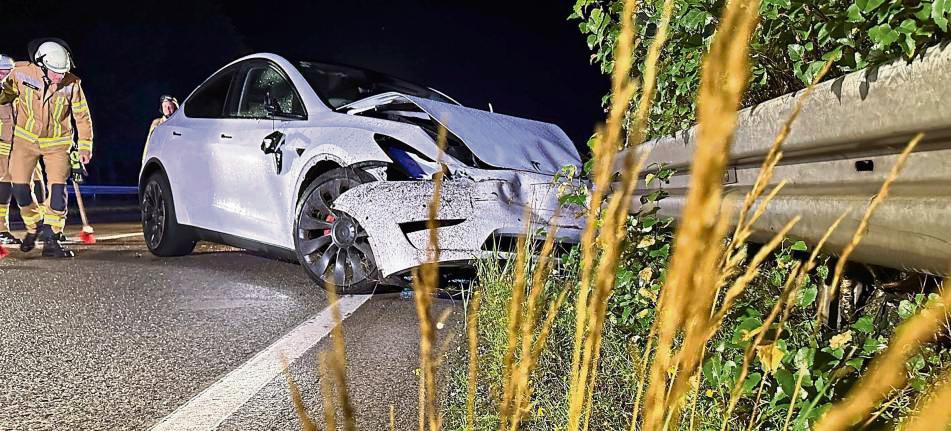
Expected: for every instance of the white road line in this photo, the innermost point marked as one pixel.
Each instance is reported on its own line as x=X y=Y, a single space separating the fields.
x=208 y=409
x=118 y=236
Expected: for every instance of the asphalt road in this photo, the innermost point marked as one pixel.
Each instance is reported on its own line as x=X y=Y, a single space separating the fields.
x=118 y=339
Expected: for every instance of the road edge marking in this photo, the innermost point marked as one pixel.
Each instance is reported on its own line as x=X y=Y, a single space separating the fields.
x=212 y=406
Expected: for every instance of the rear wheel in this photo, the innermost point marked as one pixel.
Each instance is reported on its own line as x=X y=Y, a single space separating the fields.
x=331 y=245
x=163 y=235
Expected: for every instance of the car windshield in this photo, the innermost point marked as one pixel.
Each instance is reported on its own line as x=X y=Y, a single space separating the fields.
x=340 y=85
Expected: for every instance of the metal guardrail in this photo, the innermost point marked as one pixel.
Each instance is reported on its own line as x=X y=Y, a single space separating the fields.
x=836 y=156
x=96 y=191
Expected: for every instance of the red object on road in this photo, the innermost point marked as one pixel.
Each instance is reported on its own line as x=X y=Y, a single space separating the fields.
x=87 y=236
x=3 y=252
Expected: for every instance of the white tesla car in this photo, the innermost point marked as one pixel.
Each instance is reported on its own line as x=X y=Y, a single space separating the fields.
x=332 y=166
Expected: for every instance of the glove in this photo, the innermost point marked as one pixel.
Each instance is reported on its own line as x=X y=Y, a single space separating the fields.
x=76 y=167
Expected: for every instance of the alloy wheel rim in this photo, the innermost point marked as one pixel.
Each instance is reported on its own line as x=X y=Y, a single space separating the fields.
x=334 y=245
x=153 y=211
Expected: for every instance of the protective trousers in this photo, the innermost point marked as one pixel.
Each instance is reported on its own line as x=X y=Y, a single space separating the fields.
x=6 y=191
x=23 y=160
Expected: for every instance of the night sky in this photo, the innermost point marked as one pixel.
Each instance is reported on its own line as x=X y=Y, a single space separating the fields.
x=522 y=56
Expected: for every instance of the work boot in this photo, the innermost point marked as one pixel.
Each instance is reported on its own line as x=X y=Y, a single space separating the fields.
x=44 y=232
x=28 y=243
x=52 y=248
x=7 y=238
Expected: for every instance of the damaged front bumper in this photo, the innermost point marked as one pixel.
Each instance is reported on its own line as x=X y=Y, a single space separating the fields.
x=472 y=214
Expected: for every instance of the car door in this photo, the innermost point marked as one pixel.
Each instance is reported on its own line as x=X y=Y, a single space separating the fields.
x=194 y=173
x=254 y=201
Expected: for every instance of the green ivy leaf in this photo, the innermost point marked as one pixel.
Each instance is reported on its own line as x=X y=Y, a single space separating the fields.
x=804 y=358
x=906 y=309
x=916 y=363
x=751 y=382
x=872 y=346
x=924 y=13
x=854 y=13
x=883 y=35
x=869 y=5
x=865 y=325
x=855 y=363
x=662 y=252
x=786 y=380
x=938 y=11
x=807 y=296
x=799 y=246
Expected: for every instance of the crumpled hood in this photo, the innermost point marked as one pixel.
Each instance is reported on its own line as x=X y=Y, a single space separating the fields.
x=502 y=141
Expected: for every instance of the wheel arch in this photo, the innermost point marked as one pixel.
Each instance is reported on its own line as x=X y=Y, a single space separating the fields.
x=151 y=167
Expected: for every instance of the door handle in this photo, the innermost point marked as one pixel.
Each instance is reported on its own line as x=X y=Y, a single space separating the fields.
x=224 y=136
x=174 y=133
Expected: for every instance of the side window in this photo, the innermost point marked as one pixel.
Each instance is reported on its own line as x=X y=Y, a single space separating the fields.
x=263 y=81
x=209 y=100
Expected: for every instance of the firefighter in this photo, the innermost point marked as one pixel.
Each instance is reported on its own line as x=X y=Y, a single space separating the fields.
x=47 y=100
x=167 y=106
x=6 y=144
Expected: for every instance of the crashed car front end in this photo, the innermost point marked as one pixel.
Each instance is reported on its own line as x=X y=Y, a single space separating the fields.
x=498 y=171
x=473 y=214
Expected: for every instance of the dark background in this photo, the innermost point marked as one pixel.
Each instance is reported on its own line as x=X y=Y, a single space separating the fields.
x=522 y=56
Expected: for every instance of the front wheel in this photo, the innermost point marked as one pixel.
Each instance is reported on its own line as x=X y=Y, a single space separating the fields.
x=331 y=245
x=163 y=235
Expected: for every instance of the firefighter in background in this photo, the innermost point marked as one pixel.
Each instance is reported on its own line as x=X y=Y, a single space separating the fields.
x=167 y=106
x=6 y=144
x=47 y=100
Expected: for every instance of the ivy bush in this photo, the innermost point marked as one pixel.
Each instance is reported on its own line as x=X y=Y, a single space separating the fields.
x=793 y=41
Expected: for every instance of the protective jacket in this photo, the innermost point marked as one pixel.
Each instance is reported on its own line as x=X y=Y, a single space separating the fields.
x=6 y=131
x=44 y=113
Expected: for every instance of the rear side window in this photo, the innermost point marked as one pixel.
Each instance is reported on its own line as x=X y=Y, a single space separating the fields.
x=209 y=100
x=262 y=83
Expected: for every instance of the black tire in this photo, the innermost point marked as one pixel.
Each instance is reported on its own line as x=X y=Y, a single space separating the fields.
x=163 y=235
x=330 y=244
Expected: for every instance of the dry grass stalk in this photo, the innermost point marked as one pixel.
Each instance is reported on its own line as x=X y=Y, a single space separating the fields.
x=514 y=324
x=697 y=243
x=863 y=224
x=306 y=423
x=525 y=363
x=935 y=413
x=887 y=371
x=590 y=315
x=337 y=363
x=649 y=82
x=426 y=281
x=750 y=352
x=327 y=393
x=793 y=398
x=392 y=417
x=605 y=149
x=472 y=333
x=796 y=279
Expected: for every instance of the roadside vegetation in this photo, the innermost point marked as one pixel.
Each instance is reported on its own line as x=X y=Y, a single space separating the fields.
x=647 y=325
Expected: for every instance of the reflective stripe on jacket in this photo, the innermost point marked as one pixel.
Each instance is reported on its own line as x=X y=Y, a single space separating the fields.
x=44 y=113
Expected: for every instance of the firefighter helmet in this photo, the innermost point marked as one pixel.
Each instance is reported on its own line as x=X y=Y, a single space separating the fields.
x=53 y=56
x=6 y=62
